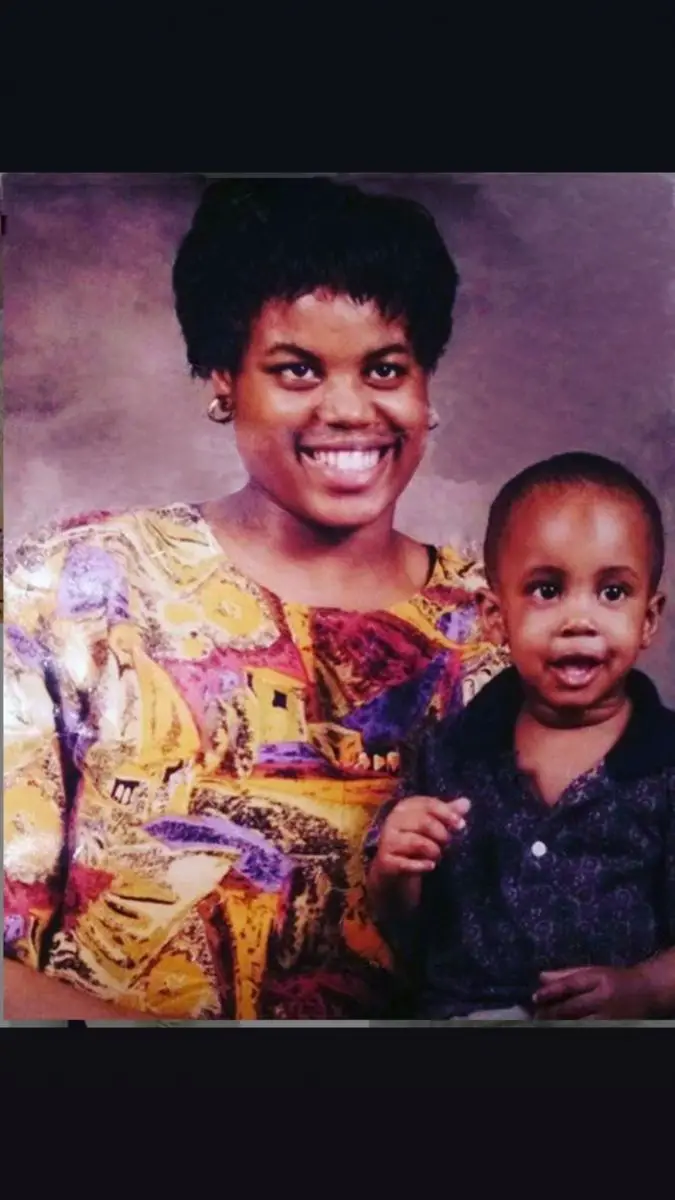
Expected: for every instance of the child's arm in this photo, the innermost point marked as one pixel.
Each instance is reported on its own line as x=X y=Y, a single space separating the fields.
x=411 y=842
x=410 y=835
x=642 y=992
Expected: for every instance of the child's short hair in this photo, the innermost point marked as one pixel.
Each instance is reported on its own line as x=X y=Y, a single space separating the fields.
x=576 y=467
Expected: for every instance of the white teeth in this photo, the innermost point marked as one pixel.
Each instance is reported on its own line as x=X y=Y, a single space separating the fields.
x=348 y=460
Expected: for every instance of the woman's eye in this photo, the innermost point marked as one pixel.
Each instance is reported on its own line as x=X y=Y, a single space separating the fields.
x=298 y=372
x=384 y=372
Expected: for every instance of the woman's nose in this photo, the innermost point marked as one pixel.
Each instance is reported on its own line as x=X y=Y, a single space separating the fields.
x=346 y=403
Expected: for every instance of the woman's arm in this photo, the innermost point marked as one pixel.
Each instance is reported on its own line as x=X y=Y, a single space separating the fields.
x=35 y=804
x=30 y=996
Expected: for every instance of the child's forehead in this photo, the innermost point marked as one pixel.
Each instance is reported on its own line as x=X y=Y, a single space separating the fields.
x=580 y=521
x=576 y=502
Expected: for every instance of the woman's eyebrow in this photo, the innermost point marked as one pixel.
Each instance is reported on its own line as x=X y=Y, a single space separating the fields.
x=292 y=348
x=391 y=348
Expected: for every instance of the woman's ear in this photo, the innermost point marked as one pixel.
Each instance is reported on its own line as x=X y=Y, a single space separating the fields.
x=491 y=618
x=221 y=382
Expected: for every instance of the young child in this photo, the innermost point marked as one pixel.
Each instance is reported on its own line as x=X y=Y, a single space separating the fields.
x=547 y=889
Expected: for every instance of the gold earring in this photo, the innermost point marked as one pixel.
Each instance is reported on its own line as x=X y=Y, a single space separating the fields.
x=221 y=410
x=433 y=419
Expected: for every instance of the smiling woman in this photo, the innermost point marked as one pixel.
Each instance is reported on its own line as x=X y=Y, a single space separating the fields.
x=206 y=705
x=331 y=423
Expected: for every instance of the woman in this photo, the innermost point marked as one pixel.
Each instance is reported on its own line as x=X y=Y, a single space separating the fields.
x=207 y=704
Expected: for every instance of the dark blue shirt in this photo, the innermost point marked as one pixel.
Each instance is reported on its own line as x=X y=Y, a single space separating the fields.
x=529 y=887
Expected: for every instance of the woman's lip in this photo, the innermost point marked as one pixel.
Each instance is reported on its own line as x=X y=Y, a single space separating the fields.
x=344 y=447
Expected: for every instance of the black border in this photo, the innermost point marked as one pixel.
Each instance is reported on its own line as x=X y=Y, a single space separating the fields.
x=450 y=90
x=392 y=1058
x=434 y=100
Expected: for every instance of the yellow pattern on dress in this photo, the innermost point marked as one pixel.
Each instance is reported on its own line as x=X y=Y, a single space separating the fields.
x=188 y=778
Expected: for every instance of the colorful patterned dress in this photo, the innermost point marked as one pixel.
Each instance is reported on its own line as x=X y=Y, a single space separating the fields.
x=191 y=767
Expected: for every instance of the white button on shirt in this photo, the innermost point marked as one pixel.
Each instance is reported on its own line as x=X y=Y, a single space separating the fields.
x=539 y=849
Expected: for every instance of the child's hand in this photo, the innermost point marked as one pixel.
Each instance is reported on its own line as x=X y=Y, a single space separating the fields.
x=595 y=993
x=416 y=833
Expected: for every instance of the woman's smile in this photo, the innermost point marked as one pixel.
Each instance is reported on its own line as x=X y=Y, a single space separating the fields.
x=348 y=465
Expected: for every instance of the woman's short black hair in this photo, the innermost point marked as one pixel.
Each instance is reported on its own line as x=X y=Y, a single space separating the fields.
x=576 y=468
x=271 y=239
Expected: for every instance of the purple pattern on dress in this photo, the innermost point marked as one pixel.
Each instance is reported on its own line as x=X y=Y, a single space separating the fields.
x=259 y=862
x=288 y=754
x=386 y=721
x=27 y=649
x=92 y=581
x=15 y=926
x=458 y=626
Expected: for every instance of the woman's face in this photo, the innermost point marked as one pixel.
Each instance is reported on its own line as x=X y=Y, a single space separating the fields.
x=331 y=409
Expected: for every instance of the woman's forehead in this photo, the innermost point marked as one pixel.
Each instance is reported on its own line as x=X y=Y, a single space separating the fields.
x=324 y=321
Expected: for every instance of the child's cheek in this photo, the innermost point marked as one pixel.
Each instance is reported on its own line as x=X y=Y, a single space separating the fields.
x=533 y=630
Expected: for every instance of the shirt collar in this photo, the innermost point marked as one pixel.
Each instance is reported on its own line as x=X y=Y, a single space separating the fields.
x=485 y=730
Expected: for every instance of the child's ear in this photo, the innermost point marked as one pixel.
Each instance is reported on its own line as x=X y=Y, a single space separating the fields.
x=491 y=619
x=652 y=619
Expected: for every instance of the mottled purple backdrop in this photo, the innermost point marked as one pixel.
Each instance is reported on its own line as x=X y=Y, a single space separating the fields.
x=565 y=338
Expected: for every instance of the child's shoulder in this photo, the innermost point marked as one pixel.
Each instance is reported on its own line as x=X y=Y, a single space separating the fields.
x=647 y=748
x=476 y=734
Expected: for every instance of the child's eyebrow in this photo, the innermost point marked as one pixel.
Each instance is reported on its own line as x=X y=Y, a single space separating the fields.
x=546 y=569
x=618 y=570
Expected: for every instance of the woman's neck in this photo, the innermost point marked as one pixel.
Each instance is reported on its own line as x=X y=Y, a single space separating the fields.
x=370 y=567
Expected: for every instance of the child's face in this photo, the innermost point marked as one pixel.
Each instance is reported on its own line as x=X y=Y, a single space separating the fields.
x=573 y=599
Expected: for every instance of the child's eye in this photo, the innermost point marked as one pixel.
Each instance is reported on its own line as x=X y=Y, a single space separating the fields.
x=614 y=591
x=544 y=591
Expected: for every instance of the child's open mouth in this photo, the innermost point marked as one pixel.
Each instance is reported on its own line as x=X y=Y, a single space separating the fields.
x=576 y=670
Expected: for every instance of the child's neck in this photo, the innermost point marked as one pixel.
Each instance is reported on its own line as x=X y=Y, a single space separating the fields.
x=555 y=752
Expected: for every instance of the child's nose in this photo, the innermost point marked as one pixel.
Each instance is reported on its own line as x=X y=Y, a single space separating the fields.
x=578 y=624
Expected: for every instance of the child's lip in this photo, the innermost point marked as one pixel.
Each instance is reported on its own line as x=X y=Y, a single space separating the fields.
x=576 y=671
x=577 y=660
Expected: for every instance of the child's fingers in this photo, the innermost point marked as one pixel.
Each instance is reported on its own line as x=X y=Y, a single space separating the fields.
x=430 y=827
x=454 y=814
x=567 y=984
x=548 y=976
x=398 y=865
x=459 y=807
x=415 y=846
x=448 y=812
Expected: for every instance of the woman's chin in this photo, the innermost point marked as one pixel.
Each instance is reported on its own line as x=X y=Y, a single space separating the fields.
x=349 y=514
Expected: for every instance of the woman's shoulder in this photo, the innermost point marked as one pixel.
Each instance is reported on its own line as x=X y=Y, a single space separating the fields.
x=452 y=592
x=458 y=570
x=84 y=543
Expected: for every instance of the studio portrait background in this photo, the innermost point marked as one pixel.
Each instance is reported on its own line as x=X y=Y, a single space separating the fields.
x=564 y=339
